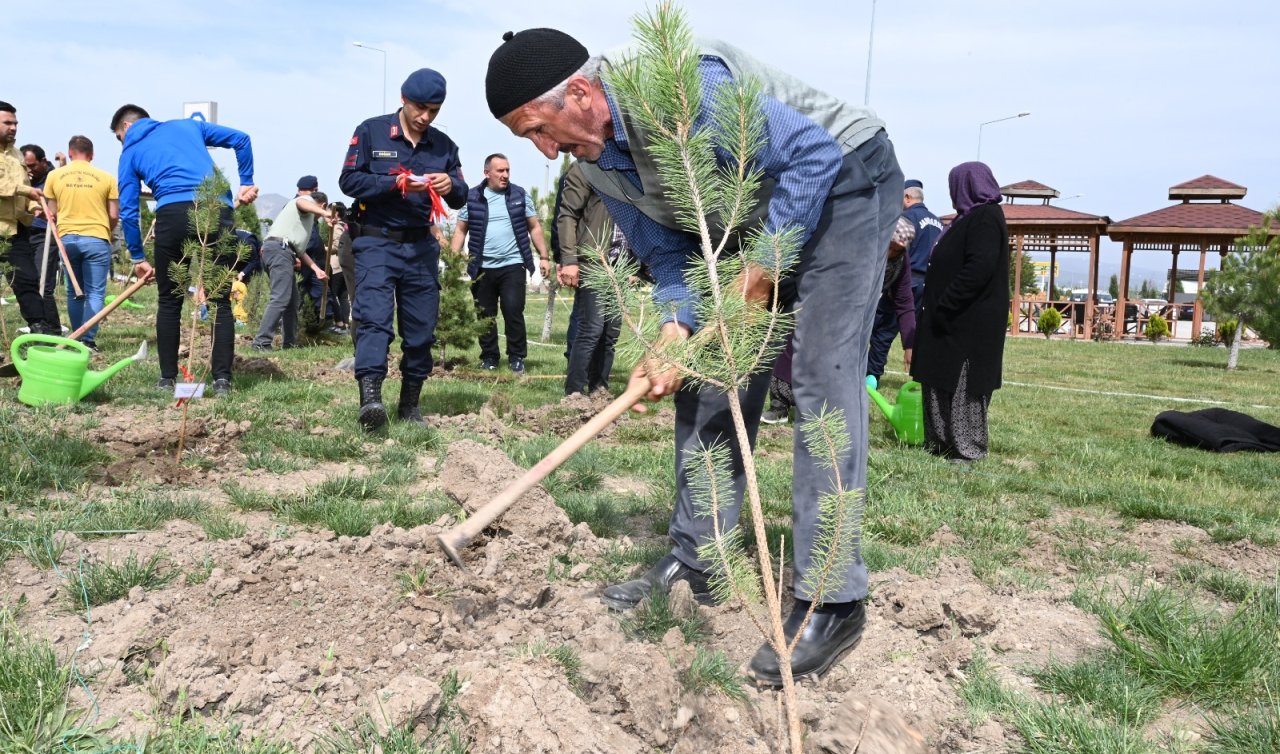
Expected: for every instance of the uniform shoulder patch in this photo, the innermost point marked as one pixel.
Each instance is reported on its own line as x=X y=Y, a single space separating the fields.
x=355 y=140
x=395 y=130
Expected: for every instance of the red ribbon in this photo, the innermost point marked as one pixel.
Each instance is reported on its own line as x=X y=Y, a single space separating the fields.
x=186 y=375
x=438 y=210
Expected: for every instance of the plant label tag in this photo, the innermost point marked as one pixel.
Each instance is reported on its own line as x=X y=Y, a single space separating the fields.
x=188 y=390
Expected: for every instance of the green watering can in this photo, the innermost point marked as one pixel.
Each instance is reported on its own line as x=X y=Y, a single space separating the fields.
x=906 y=414
x=124 y=304
x=51 y=374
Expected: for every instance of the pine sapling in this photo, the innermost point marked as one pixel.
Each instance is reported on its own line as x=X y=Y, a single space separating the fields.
x=207 y=270
x=660 y=88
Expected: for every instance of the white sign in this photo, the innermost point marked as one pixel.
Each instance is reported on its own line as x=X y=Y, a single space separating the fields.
x=205 y=111
x=188 y=390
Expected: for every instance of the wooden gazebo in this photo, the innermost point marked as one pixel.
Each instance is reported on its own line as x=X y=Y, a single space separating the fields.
x=1204 y=220
x=1038 y=226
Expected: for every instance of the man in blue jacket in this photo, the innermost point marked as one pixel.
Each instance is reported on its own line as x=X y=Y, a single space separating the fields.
x=172 y=158
x=394 y=162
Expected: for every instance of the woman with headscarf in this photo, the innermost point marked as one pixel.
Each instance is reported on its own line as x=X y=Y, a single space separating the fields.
x=960 y=336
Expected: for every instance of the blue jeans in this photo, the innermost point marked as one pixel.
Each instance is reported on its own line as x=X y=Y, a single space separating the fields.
x=90 y=259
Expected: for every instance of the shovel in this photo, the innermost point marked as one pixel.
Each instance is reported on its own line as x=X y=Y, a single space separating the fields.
x=9 y=370
x=52 y=229
x=456 y=538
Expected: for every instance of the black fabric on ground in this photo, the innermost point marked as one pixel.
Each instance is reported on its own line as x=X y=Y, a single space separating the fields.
x=1218 y=429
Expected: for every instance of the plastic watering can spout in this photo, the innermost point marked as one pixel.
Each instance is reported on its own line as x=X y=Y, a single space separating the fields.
x=92 y=380
x=881 y=401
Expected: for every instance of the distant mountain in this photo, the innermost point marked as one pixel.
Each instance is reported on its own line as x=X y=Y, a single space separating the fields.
x=269 y=205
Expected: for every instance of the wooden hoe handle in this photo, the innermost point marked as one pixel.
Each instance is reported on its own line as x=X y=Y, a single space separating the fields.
x=456 y=538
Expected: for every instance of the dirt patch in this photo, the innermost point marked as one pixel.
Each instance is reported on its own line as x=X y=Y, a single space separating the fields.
x=260 y=366
x=143 y=441
x=291 y=632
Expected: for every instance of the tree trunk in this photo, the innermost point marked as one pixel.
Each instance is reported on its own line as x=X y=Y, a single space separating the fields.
x=1234 y=358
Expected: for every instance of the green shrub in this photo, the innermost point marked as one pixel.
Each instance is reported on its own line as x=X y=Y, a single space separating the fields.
x=1157 y=328
x=1226 y=331
x=1049 y=322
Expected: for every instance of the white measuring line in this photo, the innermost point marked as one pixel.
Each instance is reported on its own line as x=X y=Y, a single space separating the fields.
x=1116 y=394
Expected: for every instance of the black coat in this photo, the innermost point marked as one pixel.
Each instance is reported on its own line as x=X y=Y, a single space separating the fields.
x=965 y=304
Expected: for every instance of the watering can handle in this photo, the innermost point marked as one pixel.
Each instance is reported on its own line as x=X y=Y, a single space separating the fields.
x=18 y=353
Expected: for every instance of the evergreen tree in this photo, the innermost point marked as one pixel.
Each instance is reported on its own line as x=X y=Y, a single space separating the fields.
x=1247 y=288
x=1114 y=286
x=200 y=268
x=459 y=324
x=661 y=88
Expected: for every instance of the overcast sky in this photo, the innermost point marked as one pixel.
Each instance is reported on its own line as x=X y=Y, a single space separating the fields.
x=1126 y=98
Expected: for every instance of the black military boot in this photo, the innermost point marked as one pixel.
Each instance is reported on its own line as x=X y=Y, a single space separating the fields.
x=410 y=393
x=373 y=415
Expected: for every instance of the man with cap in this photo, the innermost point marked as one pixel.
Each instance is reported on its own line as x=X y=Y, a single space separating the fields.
x=315 y=252
x=395 y=165
x=283 y=251
x=836 y=183
x=500 y=224
x=172 y=158
x=926 y=228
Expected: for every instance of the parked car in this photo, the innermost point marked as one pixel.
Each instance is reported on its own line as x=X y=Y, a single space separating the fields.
x=1153 y=305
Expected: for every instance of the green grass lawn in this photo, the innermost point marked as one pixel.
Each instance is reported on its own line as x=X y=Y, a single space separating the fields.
x=1069 y=433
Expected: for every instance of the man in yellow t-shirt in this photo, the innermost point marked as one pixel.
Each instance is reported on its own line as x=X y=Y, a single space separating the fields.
x=85 y=202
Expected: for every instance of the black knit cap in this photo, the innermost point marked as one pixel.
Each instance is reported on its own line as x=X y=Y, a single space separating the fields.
x=528 y=65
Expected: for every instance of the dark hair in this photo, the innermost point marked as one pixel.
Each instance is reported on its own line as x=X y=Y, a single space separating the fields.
x=492 y=157
x=34 y=149
x=319 y=197
x=80 y=144
x=5 y=107
x=340 y=209
x=128 y=113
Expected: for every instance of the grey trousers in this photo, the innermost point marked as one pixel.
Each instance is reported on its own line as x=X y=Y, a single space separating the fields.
x=282 y=305
x=838 y=283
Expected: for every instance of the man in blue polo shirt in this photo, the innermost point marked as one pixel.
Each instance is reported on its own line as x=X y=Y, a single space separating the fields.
x=394 y=162
x=172 y=158
x=502 y=223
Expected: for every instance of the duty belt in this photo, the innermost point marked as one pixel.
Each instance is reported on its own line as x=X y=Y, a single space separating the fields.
x=399 y=235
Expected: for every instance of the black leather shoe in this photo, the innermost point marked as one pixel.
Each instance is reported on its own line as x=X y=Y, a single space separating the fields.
x=826 y=639
x=667 y=571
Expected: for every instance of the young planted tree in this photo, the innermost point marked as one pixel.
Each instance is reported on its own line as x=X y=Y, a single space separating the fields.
x=737 y=337
x=1247 y=288
x=458 y=325
x=207 y=271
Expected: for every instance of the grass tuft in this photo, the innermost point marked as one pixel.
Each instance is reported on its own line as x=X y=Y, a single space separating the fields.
x=97 y=583
x=563 y=655
x=1181 y=648
x=653 y=618
x=1106 y=686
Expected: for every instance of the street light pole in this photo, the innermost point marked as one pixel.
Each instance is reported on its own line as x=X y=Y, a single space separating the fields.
x=384 y=69
x=871 y=38
x=997 y=120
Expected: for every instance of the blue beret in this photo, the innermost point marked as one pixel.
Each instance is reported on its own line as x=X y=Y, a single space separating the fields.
x=424 y=86
x=913 y=183
x=308 y=182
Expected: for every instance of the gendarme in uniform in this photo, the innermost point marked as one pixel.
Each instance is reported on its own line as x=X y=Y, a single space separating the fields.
x=396 y=256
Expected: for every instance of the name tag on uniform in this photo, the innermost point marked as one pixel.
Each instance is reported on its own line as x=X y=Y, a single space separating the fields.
x=380 y=154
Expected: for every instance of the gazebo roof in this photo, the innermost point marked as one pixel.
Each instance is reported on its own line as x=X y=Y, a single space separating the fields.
x=1222 y=217
x=1042 y=214
x=1213 y=218
x=1207 y=187
x=1029 y=190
